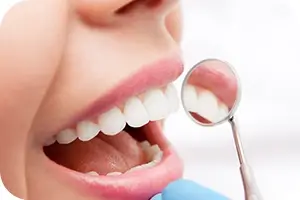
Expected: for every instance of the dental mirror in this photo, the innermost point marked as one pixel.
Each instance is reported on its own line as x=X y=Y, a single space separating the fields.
x=210 y=92
x=210 y=95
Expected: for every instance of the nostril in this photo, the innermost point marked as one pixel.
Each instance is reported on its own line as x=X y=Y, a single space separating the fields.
x=154 y=3
x=129 y=7
x=136 y=3
x=104 y=12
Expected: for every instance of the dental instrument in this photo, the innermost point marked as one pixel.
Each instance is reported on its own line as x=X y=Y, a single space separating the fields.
x=210 y=95
x=249 y=183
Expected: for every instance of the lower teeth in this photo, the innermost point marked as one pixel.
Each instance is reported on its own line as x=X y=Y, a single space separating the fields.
x=114 y=174
x=154 y=156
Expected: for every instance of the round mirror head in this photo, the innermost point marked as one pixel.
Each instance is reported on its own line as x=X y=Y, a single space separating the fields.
x=210 y=92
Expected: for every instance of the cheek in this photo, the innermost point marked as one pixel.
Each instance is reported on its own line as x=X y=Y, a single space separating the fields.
x=25 y=74
x=174 y=24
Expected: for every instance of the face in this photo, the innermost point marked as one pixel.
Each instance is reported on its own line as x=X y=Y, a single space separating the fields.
x=85 y=87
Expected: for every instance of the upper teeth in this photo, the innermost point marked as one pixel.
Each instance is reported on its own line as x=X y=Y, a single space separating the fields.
x=66 y=136
x=204 y=103
x=135 y=113
x=153 y=105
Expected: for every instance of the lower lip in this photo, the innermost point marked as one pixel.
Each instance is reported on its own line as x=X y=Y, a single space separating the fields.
x=138 y=185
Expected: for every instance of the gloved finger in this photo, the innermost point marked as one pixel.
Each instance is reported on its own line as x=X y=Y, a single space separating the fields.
x=157 y=197
x=189 y=190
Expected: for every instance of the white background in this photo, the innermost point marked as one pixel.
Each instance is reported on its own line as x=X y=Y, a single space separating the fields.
x=261 y=38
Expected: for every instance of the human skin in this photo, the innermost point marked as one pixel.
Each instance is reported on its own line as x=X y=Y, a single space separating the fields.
x=43 y=84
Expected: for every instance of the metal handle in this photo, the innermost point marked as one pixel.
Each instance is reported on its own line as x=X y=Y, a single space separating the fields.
x=250 y=187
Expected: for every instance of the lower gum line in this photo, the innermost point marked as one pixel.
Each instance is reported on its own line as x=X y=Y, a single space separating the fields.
x=156 y=159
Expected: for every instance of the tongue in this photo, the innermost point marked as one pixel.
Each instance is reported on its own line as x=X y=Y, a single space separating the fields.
x=103 y=154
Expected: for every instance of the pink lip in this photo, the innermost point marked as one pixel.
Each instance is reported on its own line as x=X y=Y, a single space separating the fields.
x=218 y=80
x=154 y=75
x=138 y=185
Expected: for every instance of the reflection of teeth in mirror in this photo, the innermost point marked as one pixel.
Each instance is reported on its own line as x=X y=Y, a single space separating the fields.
x=190 y=98
x=204 y=103
x=223 y=112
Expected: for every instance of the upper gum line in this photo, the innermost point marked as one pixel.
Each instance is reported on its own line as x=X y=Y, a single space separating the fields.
x=140 y=96
x=169 y=100
x=121 y=105
x=201 y=90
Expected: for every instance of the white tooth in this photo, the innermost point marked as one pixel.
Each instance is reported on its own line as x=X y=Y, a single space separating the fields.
x=207 y=105
x=152 y=151
x=145 y=145
x=190 y=98
x=156 y=104
x=112 y=122
x=223 y=112
x=87 y=130
x=114 y=174
x=144 y=166
x=66 y=136
x=172 y=97
x=50 y=141
x=134 y=169
x=158 y=157
x=93 y=173
x=155 y=148
x=135 y=113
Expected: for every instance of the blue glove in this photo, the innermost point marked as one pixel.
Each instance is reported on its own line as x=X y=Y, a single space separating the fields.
x=187 y=190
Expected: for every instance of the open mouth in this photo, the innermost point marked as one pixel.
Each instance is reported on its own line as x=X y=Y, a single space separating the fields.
x=122 y=153
x=119 y=140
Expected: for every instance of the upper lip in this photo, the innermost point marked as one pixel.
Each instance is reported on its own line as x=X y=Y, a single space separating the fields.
x=152 y=75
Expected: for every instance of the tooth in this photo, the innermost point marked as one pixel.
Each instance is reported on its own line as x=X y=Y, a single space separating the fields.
x=156 y=104
x=172 y=97
x=87 y=130
x=140 y=167
x=152 y=151
x=223 y=112
x=114 y=174
x=134 y=169
x=135 y=113
x=50 y=141
x=66 y=136
x=158 y=157
x=190 y=98
x=207 y=105
x=93 y=173
x=112 y=122
x=145 y=145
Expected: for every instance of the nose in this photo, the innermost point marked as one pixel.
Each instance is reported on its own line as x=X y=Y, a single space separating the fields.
x=105 y=11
